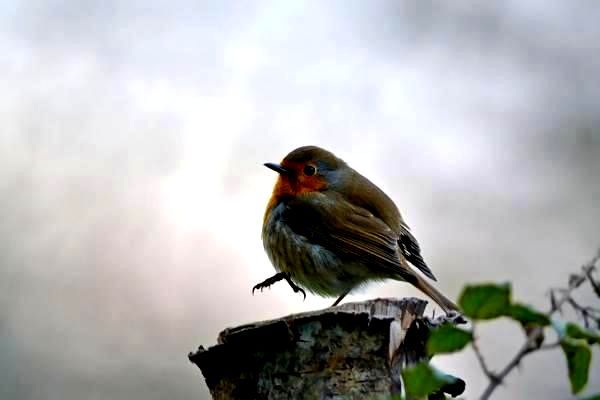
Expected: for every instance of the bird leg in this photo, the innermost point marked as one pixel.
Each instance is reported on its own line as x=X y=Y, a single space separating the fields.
x=276 y=278
x=340 y=299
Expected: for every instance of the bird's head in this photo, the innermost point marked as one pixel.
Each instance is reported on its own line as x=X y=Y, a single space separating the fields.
x=307 y=169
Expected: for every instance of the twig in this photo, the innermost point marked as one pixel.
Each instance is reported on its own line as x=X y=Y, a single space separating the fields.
x=528 y=347
x=587 y=313
x=486 y=370
x=536 y=335
x=574 y=283
x=549 y=346
x=593 y=282
x=579 y=307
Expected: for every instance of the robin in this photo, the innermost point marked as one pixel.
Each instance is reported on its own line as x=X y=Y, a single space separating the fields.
x=328 y=229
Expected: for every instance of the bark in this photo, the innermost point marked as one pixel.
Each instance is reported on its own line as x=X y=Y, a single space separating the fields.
x=352 y=351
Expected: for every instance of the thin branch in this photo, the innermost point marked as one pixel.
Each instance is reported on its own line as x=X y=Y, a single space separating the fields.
x=486 y=370
x=574 y=283
x=528 y=347
x=536 y=335
x=595 y=284
x=587 y=313
x=579 y=307
x=550 y=346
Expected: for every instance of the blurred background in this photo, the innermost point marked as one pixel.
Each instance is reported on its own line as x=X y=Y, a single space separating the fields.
x=132 y=188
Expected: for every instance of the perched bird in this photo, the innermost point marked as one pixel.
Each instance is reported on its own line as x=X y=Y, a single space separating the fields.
x=328 y=229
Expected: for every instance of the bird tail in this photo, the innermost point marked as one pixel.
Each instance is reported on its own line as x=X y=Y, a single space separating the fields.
x=436 y=295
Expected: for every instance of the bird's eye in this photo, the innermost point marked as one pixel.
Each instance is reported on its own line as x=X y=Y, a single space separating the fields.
x=309 y=170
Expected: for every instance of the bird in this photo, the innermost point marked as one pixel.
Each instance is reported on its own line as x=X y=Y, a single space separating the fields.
x=330 y=230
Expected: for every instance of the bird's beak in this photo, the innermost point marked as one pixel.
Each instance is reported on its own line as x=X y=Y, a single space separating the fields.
x=276 y=167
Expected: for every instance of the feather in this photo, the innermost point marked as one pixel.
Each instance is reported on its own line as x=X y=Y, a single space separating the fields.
x=326 y=219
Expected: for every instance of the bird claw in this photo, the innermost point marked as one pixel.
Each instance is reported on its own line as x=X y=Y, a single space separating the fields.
x=266 y=283
x=276 y=278
x=297 y=289
x=257 y=287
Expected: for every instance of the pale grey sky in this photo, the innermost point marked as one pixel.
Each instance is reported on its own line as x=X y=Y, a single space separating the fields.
x=133 y=137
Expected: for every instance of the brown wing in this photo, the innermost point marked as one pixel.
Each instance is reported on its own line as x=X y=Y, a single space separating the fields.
x=364 y=193
x=352 y=232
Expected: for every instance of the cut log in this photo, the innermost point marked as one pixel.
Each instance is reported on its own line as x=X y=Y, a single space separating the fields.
x=352 y=351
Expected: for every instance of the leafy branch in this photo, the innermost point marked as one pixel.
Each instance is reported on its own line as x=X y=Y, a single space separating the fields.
x=486 y=302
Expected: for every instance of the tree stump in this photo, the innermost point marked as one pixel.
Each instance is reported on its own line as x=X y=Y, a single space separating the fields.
x=352 y=351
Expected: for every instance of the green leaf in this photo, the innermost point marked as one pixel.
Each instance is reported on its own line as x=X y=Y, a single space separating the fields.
x=574 y=331
x=527 y=315
x=578 y=332
x=578 y=362
x=447 y=339
x=592 y=397
x=486 y=301
x=422 y=379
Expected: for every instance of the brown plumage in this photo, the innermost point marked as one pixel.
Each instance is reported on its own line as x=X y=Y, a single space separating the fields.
x=329 y=229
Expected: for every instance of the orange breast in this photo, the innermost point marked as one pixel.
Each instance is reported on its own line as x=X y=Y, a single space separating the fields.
x=285 y=187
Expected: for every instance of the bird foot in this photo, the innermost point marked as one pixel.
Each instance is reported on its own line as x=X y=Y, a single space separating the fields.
x=276 y=278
